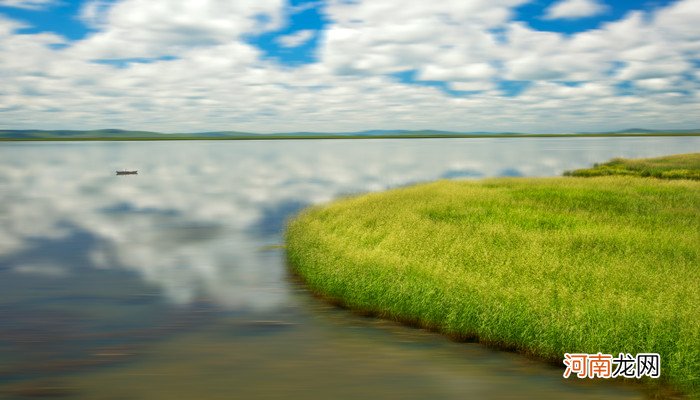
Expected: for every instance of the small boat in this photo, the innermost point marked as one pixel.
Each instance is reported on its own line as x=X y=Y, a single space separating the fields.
x=127 y=172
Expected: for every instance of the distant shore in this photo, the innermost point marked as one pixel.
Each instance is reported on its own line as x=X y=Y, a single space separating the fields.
x=171 y=137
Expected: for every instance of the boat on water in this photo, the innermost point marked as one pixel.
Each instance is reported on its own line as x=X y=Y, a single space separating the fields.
x=127 y=172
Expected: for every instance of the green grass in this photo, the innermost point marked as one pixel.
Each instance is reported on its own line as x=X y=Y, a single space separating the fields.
x=680 y=166
x=542 y=266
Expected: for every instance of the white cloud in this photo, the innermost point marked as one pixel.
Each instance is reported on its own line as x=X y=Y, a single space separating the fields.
x=94 y=13
x=147 y=28
x=635 y=70
x=451 y=41
x=573 y=9
x=305 y=6
x=8 y=26
x=459 y=73
x=664 y=85
x=218 y=81
x=470 y=86
x=28 y=4
x=296 y=39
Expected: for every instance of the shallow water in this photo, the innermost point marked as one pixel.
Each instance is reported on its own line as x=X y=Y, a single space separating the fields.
x=172 y=284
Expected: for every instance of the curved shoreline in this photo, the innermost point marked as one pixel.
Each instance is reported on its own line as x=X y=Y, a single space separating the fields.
x=650 y=389
x=384 y=279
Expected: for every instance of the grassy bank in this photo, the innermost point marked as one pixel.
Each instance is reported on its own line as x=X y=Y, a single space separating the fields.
x=543 y=266
x=679 y=166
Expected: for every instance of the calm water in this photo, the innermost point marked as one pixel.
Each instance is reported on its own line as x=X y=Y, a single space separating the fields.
x=171 y=284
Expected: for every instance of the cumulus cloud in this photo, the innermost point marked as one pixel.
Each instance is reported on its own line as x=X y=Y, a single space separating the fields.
x=94 y=13
x=296 y=39
x=573 y=9
x=190 y=67
x=391 y=36
x=28 y=4
x=146 y=28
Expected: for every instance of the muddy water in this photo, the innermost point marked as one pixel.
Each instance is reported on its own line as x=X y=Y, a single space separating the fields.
x=171 y=283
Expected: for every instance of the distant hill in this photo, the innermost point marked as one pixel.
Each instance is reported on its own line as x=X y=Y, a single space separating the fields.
x=213 y=134
x=117 y=134
x=399 y=132
x=65 y=134
x=641 y=130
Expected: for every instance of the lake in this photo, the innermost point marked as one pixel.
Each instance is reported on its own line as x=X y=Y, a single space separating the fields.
x=172 y=283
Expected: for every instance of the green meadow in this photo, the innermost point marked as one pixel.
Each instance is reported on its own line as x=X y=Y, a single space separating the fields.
x=680 y=166
x=542 y=266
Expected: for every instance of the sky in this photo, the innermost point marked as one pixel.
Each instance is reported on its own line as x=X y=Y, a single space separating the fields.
x=350 y=65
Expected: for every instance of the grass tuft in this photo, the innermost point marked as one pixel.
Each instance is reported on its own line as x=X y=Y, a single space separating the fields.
x=680 y=166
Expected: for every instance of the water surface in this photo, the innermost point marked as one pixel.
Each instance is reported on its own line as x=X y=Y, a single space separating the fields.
x=172 y=283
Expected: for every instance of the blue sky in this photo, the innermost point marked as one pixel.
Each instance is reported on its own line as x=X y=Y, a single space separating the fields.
x=276 y=65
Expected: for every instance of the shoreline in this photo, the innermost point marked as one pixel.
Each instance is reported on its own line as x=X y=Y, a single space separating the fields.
x=350 y=137
x=651 y=389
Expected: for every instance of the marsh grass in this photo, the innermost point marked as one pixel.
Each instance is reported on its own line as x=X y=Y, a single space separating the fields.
x=542 y=266
x=680 y=166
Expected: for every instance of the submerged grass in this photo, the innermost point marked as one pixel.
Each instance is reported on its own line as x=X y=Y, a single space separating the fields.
x=543 y=266
x=679 y=166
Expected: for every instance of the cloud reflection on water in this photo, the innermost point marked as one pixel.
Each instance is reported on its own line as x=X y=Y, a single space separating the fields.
x=195 y=218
